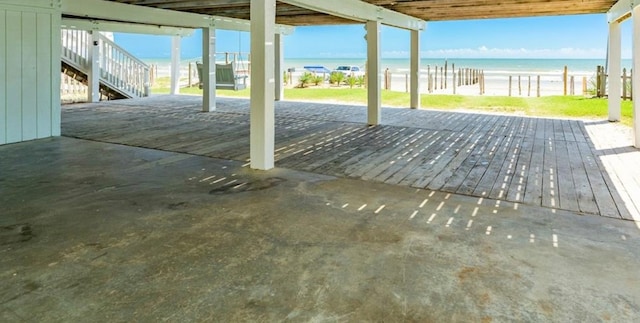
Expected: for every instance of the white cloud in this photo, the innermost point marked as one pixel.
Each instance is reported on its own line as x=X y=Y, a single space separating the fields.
x=485 y=52
x=338 y=55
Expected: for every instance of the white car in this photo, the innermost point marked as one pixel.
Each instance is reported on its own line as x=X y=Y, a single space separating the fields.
x=349 y=70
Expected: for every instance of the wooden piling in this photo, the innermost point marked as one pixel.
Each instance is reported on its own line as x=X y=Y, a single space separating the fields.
x=453 y=82
x=519 y=86
x=435 y=78
x=445 y=73
x=529 y=86
x=584 y=85
x=429 y=78
x=598 y=80
x=406 y=83
x=509 y=85
x=151 y=75
x=453 y=75
x=538 y=86
x=603 y=83
x=387 y=79
x=430 y=83
x=624 y=84
x=631 y=84
x=572 y=85
x=564 y=80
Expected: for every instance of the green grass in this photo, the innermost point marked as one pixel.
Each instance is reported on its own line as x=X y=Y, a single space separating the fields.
x=548 y=106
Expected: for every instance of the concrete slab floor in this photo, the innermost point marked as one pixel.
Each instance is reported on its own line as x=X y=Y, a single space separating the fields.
x=100 y=232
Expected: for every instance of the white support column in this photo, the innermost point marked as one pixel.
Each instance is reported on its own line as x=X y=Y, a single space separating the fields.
x=279 y=62
x=175 y=65
x=614 y=71
x=374 y=78
x=415 y=69
x=262 y=137
x=208 y=69
x=93 y=75
x=636 y=76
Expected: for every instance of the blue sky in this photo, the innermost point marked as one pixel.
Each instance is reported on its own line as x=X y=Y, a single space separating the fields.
x=581 y=36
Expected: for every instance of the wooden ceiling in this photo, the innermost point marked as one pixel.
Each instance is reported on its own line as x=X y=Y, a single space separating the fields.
x=428 y=10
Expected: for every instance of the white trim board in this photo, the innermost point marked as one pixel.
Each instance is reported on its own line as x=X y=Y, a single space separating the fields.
x=120 y=12
x=621 y=10
x=124 y=27
x=361 y=11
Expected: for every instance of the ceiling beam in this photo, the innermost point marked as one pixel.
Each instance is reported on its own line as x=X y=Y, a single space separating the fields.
x=621 y=10
x=120 y=12
x=361 y=11
x=124 y=27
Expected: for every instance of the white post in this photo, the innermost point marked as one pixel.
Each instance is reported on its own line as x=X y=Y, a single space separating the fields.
x=175 y=65
x=415 y=69
x=374 y=97
x=279 y=62
x=208 y=69
x=614 y=71
x=262 y=137
x=636 y=76
x=93 y=75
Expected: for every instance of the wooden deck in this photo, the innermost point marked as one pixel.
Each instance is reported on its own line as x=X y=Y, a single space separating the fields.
x=546 y=162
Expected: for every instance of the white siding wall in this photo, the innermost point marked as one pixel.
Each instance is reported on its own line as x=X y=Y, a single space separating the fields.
x=29 y=70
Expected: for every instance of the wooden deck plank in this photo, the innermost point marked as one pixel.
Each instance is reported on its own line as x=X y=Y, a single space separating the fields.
x=323 y=147
x=448 y=174
x=472 y=181
x=533 y=189
x=567 y=130
x=503 y=161
x=549 y=168
x=624 y=180
x=604 y=137
x=388 y=167
x=415 y=150
x=422 y=175
x=565 y=184
x=471 y=157
x=421 y=166
x=599 y=184
x=426 y=162
x=501 y=185
x=518 y=159
x=338 y=166
x=581 y=184
x=386 y=146
x=517 y=186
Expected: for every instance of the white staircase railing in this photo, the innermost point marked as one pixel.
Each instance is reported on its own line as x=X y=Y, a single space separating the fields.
x=119 y=70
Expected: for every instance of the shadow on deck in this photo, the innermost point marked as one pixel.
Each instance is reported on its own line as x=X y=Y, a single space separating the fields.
x=560 y=164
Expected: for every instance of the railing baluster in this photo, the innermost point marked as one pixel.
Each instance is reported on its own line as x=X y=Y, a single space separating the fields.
x=117 y=67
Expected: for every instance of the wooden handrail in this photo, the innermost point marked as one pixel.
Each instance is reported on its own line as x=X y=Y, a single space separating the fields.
x=118 y=68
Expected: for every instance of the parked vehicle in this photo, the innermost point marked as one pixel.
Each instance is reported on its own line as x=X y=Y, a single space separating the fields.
x=349 y=70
